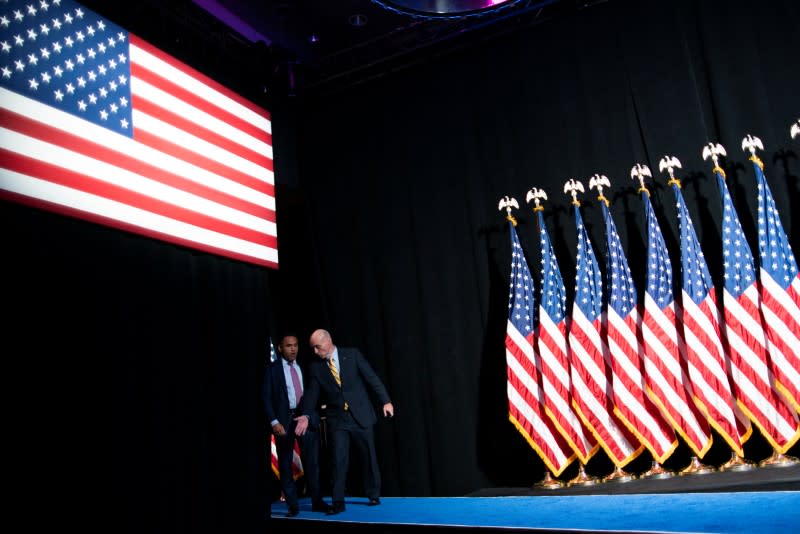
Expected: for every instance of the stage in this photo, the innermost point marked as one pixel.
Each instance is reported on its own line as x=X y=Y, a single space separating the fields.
x=763 y=499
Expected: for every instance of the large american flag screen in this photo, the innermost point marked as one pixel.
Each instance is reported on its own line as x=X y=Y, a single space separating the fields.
x=98 y=124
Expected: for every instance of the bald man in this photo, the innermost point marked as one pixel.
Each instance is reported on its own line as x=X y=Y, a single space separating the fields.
x=343 y=380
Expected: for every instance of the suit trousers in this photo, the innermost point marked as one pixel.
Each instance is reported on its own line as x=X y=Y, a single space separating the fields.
x=342 y=432
x=309 y=454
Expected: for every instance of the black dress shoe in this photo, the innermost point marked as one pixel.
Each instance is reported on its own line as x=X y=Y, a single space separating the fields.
x=321 y=506
x=374 y=502
x=293 y=511
x=337 y=508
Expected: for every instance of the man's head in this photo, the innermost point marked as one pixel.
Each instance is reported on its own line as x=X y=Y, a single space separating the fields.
x=288 y=347
x=321 y=343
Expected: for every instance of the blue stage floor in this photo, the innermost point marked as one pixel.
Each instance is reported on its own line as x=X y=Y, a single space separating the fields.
x=739 y=512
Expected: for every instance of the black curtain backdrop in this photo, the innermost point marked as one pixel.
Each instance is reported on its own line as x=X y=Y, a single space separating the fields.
x=136 y=366
x=403 y=176
x=134 y=370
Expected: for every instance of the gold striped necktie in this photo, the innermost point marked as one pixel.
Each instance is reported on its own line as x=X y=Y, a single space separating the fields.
x=335 y=373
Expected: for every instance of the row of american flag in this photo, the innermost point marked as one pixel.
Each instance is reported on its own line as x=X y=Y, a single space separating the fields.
x=625 y=375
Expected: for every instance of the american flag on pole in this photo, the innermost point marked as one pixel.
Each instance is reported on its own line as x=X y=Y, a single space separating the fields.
x=525 y=398
x=699 y=326
x=632 y=405
x=97 y=124
x=666 y=381
x=297 y=463
x=552 y=346
x=591 y=378
x=753 y=384
x=780 y=292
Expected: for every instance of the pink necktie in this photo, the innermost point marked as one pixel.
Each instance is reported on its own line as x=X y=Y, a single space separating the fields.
x=298 y=388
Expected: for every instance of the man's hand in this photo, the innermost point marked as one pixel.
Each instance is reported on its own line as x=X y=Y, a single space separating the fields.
x=388 y=410
x=278 y=430
x=302 y=425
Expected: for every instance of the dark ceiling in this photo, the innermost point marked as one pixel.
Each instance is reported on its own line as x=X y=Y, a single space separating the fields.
x=313 y=46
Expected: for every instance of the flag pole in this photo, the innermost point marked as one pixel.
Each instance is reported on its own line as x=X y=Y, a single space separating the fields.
x=572 y=187
x=777 y=459
x=737 y=461
x=695 y=467
x=638 y=172
x=598 y=182
x=548 y=482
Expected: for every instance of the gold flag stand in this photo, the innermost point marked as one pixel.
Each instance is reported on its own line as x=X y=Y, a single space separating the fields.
x=619 y=476
x=737 y=463
x=779 y=460
x=549 y=482
x=582 y=479
x=656 y=471
x=696 y=468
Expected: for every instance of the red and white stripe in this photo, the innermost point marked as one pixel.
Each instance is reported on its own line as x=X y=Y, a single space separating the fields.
x=633 y=406
x=707 y=369
x=525 y=408
x=556 y=383
x=753 y=386
x=591 y=390
x=198 y=171
x=781 y=309
x=665 y=379
x=297 y=463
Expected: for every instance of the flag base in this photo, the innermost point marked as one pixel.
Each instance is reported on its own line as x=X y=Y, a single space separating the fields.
x=779 y=460
x=549 y=482
x=737 y=463
x=582 y=479
x=656 y=471
x=619 y=476
x=696 y=468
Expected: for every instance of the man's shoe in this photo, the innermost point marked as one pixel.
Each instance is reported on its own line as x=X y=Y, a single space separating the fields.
x=374 y=502
x=321 y=506
x=293 y=511
x=337 y=508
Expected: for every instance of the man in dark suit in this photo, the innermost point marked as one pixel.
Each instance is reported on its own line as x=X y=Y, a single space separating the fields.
x=343 y=380
x=283 y=391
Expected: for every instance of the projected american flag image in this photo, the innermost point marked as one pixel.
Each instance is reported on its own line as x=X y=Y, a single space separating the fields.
x=97 y=124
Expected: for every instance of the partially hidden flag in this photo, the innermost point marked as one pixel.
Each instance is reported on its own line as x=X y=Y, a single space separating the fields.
x=297 y=463
x=699 y=332
x=525 y=398
x=633 y=406
x=752 y=383
x=97 y=124
x=273 y=354
x=591 y=377
x=780 y=292
x=551 y=341
x=666 y=380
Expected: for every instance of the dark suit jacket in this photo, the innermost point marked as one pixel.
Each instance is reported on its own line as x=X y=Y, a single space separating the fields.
x=276 y=396
x=359 y=381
